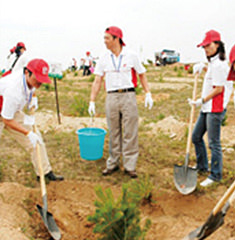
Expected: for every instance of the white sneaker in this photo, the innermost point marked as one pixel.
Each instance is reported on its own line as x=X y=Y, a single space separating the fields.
x=206 y=182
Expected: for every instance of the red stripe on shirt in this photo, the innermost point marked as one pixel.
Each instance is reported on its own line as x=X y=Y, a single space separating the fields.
x=218 y=102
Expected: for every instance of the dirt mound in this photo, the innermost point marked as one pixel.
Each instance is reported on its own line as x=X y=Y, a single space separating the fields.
x=13 y=216
x=169 y=126
x=48 y=121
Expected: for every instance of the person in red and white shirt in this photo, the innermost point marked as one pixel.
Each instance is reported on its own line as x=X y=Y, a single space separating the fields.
x=117 y=66
x=214 y=92
x=17 y=90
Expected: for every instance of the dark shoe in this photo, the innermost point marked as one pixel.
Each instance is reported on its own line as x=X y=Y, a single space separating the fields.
x=107 y=171
x=52 y=177
x=132 y=174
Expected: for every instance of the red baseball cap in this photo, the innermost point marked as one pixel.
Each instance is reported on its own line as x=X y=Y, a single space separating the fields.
x=21 y=44
x=115 y=31
x=40 y=69
x=12 y=49
x=231 y=75
x=210 y=37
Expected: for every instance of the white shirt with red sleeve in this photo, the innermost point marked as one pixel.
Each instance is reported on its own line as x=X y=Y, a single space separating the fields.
x=118 y=70
x=216 y=75
x=15 y=92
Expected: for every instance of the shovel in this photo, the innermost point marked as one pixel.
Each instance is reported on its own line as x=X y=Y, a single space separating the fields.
x=216 y=218
x=47 y=217
x=185 y=178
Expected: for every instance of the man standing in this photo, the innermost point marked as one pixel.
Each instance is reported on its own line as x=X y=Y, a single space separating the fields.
x=17 y=90
x=87 y=64
x=117 y=66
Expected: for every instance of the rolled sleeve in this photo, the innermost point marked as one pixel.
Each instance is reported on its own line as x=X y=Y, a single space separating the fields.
x=138 y=66
x=9 y=107
x=99 y=69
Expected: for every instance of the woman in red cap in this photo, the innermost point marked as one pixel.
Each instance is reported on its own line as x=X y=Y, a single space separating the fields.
x=213 y=107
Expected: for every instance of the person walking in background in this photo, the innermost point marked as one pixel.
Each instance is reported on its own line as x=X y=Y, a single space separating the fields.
x=18 y=60
x=213 y=106
x=121 y=107
x=87 y=64
x=17 y=90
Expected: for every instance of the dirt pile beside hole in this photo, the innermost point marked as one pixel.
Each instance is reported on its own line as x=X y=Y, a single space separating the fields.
x=47 y=121
x=169 y=126
x=14 y=218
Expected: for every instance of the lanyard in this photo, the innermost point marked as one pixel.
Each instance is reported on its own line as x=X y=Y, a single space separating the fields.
x=117 y=69
x=28 y=99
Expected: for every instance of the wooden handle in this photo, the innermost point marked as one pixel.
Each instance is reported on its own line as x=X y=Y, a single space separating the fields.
x=41 y=173
x=225 y=198
x=192 y=113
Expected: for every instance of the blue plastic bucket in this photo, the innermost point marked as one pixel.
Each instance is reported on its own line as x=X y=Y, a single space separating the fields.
x=91 y=143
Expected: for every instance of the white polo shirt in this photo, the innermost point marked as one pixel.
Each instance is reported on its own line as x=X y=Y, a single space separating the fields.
x=15 y=92
x=118 y=70
x=216 y=75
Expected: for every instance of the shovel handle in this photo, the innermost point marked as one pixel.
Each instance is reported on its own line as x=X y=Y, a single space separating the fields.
x=228 y=196
x=192 y=113
x=41 y=173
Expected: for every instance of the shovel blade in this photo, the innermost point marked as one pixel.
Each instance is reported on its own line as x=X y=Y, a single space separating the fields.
x=50 y=223
x=185 y=179
x=210 y=226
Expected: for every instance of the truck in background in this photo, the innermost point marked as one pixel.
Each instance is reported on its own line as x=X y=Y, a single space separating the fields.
x=166 y=56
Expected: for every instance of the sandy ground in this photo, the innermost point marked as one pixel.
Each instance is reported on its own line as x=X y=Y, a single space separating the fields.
x=173 y=215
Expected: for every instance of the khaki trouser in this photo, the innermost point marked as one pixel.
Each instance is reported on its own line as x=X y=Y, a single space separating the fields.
x=26 y=144
x=121 y=111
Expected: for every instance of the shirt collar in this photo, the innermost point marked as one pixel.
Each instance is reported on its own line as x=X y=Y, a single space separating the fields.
x=123 y=52
x=214 y=58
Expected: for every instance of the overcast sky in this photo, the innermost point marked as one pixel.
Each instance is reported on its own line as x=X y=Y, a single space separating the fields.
x=60 y=30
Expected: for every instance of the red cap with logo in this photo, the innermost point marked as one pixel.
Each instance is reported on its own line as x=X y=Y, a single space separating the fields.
x=40 y=69
x=115 y=31
x=231 y=75
x=210 y=37
x=21 y=44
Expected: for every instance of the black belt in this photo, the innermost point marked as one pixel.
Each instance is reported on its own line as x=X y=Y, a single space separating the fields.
x=122 y=90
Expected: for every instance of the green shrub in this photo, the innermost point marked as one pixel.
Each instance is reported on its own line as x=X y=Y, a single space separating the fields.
x=140 y=191
x=180 y=73
x=117 y=219
x=190 y=70
x=75 y=74
x=91 y=78
x=46 y=87
x=175 y=68
x=150 y=61
x=161 y=78
x=224 y=120
x=79 y=107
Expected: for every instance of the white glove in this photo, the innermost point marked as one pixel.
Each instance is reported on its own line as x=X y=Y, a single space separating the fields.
x=91 y=108
x=34 y=103
x=148 y=100
x=197 y=102
x=198 y=67
x=34 y=138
